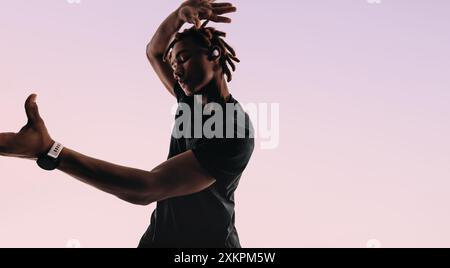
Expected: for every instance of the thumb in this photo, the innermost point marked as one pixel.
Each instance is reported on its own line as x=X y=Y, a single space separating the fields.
x=32 y=110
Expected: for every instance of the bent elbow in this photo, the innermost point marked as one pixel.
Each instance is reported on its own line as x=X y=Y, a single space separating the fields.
x=145 y=201
x=140 y=200
x=148 y=202
x=152 y=54
x=142 y=203
x=149 y=191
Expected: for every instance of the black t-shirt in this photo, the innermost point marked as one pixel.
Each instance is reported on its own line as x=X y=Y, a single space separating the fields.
x=205 y=219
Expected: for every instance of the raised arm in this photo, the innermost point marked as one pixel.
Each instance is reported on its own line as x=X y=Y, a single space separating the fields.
x=191 y=11
x=181 y=175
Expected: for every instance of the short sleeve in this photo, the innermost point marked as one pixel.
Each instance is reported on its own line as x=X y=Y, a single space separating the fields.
x=224 y=159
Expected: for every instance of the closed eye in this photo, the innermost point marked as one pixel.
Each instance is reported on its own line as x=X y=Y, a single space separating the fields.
x=183 y=57
x=180 y=58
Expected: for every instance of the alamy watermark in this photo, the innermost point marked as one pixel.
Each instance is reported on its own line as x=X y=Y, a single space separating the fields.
x=228 y=121
x=73 y=243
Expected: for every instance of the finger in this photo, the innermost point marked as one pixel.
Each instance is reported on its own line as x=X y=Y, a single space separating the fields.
x=197 y=22
x=31 y=109
x=205 y=5
x=221 y=4
x=200 y=2
x=221 y=19
x=193 y=19
x=223 y=10
x=28 y=108
x=205 y=13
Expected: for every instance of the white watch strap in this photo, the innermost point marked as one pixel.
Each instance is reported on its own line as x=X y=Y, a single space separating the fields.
x=55 y=150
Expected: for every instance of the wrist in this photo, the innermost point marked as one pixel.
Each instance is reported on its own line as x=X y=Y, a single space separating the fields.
x=51 y=159
x=179 y=21
x=47 y=146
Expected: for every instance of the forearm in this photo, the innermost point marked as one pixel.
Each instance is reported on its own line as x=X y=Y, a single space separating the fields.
x=164 y=34
x=129 y=184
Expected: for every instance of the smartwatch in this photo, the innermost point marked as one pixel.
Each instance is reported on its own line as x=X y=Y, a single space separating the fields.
x=50 y=161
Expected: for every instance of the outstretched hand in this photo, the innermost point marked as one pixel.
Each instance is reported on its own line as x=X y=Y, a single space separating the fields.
x=193 y=11
x=32 y=140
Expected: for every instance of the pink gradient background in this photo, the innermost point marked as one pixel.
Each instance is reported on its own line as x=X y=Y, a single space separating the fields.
x=363 y=89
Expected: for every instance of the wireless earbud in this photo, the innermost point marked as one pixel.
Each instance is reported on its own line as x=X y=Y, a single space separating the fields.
x=215 y=53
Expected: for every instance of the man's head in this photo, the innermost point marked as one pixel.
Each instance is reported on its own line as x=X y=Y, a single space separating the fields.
x=198 y=56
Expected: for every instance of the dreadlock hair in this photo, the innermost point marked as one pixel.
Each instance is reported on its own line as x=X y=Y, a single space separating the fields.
x=209 y=37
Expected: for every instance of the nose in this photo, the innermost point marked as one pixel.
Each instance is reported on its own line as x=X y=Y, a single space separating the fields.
x=178 y=73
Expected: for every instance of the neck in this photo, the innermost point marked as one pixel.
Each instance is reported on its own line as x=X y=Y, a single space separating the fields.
x=216 y=90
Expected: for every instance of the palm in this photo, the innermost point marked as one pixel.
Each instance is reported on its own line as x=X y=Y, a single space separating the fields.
x=193 y=11
x=32 y=140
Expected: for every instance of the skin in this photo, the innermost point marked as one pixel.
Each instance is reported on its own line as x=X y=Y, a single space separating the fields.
x=195 y=73
x=169 y=73
x=178 y=176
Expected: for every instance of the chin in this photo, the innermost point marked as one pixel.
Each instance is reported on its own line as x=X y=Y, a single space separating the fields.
x=189 y=91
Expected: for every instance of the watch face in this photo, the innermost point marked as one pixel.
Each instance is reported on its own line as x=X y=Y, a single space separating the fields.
x=47 y=163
